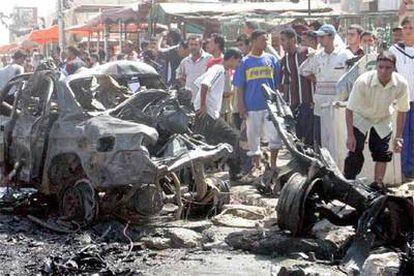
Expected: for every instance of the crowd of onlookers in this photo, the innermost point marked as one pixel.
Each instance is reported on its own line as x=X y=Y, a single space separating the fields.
x=225 y=88
x=305 y=64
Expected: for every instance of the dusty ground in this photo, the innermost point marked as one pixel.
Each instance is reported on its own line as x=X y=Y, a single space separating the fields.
x=28 y=249
x=156 y=248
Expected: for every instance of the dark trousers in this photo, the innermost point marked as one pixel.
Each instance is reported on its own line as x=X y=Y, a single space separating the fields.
x=245 y=160
x=217 y=131
x=304 y=124
x=316 y=132
x=377 y=146
x=237 y=121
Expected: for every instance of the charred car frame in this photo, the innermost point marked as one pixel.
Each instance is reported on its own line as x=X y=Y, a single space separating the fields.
x=96 y=165
x=311 y=180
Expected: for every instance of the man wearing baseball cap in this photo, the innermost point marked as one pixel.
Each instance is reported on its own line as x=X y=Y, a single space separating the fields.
x=13 y=69
x=325 y=67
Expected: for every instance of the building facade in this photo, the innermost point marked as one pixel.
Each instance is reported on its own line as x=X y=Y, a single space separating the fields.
x=357 y=6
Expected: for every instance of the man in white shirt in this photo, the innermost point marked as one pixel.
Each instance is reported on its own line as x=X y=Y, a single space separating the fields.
x=193 y=66
x=14 y=69
x=325 y=68
x=404 y=53
x=370 y=109
x=207 y=104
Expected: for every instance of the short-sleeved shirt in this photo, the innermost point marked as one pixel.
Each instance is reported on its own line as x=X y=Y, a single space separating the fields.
x=328 y=69
x=251 y=74
x=373 y=104
x=191 y=70
x=405 y=64
x=214 y=79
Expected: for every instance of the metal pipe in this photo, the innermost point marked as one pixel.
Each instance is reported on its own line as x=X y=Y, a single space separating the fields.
x=106 y=42
x=177 y=185
x=120 y=34
x=61 y=26
x=200 y=181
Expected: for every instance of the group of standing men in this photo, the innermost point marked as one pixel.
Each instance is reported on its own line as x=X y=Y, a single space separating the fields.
x=218 y=81
x=307 y=77
x=210 y=77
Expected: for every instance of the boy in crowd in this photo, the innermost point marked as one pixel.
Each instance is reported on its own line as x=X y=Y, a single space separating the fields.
x=256 y=69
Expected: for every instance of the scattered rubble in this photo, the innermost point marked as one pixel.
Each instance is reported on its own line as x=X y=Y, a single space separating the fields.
x=183 y=238
x=279 y=244
x=338 y=235
x=158 y=243
x=92 y=177
x=87 y=159
x=382 y=264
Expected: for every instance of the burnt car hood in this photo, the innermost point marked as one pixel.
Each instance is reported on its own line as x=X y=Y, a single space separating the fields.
x=128 y=135
x=105 y=125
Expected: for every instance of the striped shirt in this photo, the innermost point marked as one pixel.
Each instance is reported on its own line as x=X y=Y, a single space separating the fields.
x=299 y=88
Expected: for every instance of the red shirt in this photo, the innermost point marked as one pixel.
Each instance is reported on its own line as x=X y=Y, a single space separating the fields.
x=212 y=61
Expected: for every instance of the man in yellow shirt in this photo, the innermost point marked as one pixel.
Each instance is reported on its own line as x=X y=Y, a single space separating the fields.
x=370 y=108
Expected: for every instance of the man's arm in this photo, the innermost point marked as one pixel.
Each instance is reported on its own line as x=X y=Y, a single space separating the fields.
x=398 y=141
x=355 y=102
x=277 y=72
x=311 y=78
x=285 y=79
x=161 y=38
x=239 y=82
x=203 y=101
x=240 y=102
x=402 y=106
x=307 y=70
x=350 y=141
x=180 y=74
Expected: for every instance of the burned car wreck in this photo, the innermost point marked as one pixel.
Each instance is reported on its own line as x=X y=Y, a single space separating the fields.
x=311 y=180
x=95 y=164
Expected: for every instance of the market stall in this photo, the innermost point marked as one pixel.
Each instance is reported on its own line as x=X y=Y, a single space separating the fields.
x=228 y=18
x=120 y=24
x=43 y=36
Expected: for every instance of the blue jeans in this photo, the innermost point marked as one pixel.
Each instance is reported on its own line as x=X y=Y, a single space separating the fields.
x=407 y=154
